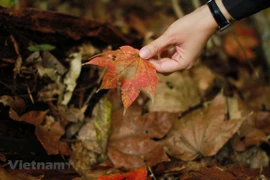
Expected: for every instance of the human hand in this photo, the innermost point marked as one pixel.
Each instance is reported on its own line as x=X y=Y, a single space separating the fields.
x=188 y=35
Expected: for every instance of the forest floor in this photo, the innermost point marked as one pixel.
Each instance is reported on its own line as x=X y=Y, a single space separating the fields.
x=208 y=122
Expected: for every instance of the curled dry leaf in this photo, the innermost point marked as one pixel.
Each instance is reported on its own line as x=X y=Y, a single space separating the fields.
x=131 y=144
x=127 y=69
x=253 y=131
x=70 y=80
x=201 y=132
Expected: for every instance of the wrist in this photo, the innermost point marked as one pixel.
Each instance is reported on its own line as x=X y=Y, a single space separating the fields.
x=206 y=22
x=220 y=14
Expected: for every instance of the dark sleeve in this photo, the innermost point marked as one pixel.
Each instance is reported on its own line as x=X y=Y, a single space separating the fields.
x=239 y=9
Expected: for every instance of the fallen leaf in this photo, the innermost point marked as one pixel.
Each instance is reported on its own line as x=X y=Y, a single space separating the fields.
x=201 y=132
x=48 y=134
x=102 y=122
x=252 y=131
x=71 y=114
x=49 y=137
x=137 y=174
x=3 y=157
x=81 y=159
x=241 y=45
x=15 y=175
x=258 y=97
x=127 y=69
x=203 y=76
x=16 y=103
x=88 y=137
x=254 y=157
x=93 y=174
x=49 y=93
x=49 y=61
x=131 y=144
x=175 y=93
x=70 y=80
x=41 y=47
x=209 y=173
x=34 y=117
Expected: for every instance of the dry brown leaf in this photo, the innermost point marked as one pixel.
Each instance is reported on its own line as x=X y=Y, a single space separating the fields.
x=18 y=176
x=70 y=80
x=48 y=93
x=201 y=132
x=258 y=97
x=93 y=174
x=49 y=137
x=3 y=157
x=81 y=159
x=246 y=79
x=34 y=117
x=88 y=137
x=254 y=157
x=252 y=131
x=131 y=144
x=175 y=93
x=213 y=173
x=137 y=151
x=16 y=103
x=71 y=114
x=203 y=76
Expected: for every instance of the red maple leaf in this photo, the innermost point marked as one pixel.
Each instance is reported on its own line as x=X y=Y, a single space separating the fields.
x=137 y=174
x=127 y=69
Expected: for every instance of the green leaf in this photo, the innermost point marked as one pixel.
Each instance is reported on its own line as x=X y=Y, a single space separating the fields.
x=41 y=47
x=47 y=47
x=7 y=3
x=103 y=122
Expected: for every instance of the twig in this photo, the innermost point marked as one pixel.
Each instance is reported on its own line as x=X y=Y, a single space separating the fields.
x=245 y=54
x=18 y=62
x=95 y=89
x=151 y=172
x=29 y=93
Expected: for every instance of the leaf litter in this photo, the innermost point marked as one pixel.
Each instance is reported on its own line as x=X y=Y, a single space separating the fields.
x=187 y=123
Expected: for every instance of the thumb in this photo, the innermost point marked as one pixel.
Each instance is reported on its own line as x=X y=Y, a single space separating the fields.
x=154 y=47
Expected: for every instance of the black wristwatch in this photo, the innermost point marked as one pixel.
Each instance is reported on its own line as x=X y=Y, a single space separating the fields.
x=222 y=22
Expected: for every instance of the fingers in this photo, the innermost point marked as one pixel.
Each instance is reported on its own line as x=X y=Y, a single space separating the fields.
x=154 y=47
x=167 y=65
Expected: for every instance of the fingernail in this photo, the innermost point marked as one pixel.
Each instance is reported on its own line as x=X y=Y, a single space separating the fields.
x=144 y=53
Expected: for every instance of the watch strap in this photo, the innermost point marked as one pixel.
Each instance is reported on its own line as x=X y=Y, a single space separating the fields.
x=222 y=22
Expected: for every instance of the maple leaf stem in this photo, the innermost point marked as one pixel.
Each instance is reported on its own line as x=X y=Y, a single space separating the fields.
x=97 y=55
